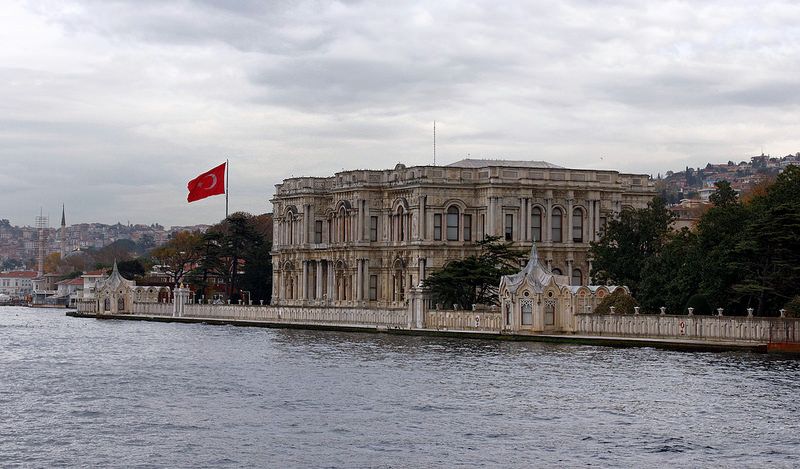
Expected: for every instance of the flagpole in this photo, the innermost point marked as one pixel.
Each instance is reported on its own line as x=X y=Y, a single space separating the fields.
x=227 y=185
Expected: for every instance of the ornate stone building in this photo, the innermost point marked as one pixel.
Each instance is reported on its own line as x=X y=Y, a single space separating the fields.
x=536 y=300
x=364 y=238
x=116 y=294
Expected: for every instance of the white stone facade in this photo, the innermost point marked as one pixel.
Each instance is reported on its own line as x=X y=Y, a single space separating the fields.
x=116 y=294
x=536 y=300
x=364 y=238
x=17 y=284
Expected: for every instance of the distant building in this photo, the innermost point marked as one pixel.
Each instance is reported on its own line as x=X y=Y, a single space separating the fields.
x=366 y=237
x=688 y=213
x=17 y=284
x=68 y=291
x=90 y=280
x=45 y=289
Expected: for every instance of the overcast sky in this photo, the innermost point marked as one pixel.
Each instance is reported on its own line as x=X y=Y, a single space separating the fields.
x=112 y=106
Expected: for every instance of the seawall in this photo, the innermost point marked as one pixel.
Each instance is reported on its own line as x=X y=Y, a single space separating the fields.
x=685 y=344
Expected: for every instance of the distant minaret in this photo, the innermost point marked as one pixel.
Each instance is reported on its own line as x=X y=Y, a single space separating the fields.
x=63 y=233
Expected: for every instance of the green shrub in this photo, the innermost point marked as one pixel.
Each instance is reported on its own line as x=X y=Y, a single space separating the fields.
x=622 y=302
x=699 y=303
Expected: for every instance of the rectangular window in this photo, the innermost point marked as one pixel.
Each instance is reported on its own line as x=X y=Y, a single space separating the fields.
x=509 y=227
x=373 y=228
x=437 y=227
x=467 y=227
x=577 y=226
x=373 y=287
x=318 y=231
x=452 y=223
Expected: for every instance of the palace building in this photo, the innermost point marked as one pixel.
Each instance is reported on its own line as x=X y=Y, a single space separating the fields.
x=365 y=237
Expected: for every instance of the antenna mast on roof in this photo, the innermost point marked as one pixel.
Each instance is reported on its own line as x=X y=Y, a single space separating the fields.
x=434 y=143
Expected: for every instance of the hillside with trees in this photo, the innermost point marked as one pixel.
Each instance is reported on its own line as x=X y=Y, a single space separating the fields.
x=742 y=254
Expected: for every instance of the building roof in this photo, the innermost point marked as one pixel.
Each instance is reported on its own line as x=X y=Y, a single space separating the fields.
x=115 y=280
x=19 y=274
x=71 y=281
x=96 y=273
x=476 y=163
x=537 y=276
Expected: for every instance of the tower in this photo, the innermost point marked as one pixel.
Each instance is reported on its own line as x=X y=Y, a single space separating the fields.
x=63 y=236
x=41 y=241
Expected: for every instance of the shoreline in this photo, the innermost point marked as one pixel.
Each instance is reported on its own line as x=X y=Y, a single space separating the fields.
x=685 y=345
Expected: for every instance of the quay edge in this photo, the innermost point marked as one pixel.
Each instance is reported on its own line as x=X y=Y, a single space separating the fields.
x=596 y=340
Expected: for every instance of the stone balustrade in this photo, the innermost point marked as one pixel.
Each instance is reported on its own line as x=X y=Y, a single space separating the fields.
x=460 y=320
x=721 y=328
x=747 y=329
x=289 y=314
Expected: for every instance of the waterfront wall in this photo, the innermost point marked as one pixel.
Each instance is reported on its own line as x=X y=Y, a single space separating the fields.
x=463 y=320
x=719 y=328
x=309 y=315
x=702 y=328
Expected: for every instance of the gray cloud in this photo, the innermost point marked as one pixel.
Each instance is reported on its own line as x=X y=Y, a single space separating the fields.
x=111 y=106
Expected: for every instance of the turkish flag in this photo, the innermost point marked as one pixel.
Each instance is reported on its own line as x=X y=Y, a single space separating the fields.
x=207 y=184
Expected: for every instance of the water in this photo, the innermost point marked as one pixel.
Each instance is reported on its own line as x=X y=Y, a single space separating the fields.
x=82 y=392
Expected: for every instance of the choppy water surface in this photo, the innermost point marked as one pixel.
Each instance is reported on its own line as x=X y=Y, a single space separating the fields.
x=78 y=392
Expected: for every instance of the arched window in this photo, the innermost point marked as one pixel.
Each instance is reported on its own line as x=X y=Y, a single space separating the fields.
x=557 y=238
x=452 y=223
x=556 y=272
x=577 y=277
x=536 y=224
x=549 y=313
x=527 y=312
x=120 y=304
x=577 y=225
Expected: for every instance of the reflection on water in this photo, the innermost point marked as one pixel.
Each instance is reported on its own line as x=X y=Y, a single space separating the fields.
x=119 y=393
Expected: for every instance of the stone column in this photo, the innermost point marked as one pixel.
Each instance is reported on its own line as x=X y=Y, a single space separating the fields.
x=331 y=282
x=489 y=227
x=365 y=294
x=589 y=274
x=421 y=225
x=570 y=202
x=359 y=225
x=278 y=288
x=359 y=279
x=306 y=223
x=319 y=280
x=304 y=287
x=422 y=261
x=547 y=236
x=569 y=270
x=525 y=219
x=389 y=289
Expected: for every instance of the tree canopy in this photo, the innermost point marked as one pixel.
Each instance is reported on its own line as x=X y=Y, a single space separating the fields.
x=742 y=254
x=628 y=241
x=475 y=279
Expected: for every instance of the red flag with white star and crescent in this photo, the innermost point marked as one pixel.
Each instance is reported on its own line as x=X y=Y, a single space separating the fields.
x=207 y=184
